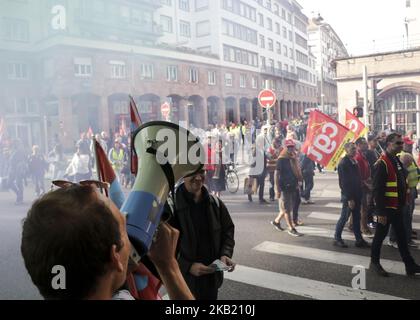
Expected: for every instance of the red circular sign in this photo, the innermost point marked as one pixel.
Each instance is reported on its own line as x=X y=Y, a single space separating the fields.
x=267 y=98
x=165 y=109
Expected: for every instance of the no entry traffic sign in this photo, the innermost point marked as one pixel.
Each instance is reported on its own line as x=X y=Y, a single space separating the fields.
x=267 y=98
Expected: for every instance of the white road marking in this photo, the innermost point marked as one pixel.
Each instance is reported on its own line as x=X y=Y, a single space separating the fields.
x=334 y=205
x=327 y=256
x=328 y=233
x=301 y=286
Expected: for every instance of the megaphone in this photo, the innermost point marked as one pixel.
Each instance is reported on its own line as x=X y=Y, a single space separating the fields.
x=167 y=153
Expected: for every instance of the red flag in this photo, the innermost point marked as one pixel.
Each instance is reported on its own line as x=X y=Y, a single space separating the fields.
x=135 y=116
x=325 y=139
x=135 y=123
x=355 y=125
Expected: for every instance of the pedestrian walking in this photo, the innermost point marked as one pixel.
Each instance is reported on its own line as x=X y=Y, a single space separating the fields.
x=390 y=192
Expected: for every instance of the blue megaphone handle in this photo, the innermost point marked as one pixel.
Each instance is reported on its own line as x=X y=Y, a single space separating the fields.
x=143 y=217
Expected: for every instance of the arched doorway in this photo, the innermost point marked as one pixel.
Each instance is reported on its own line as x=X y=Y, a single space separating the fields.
x=213 y=110
x=149 y=107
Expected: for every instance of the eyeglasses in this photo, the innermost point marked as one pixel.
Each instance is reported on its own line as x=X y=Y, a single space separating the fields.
x=68 y=184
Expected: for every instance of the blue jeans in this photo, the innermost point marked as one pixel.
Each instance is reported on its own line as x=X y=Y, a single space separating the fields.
x=345 y=213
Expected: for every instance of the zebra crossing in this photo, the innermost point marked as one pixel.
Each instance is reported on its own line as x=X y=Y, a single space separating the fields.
x=303 y=286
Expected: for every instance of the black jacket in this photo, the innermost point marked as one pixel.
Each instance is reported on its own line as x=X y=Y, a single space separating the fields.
x=379 y=185
x=221 y=231
x=349 y=179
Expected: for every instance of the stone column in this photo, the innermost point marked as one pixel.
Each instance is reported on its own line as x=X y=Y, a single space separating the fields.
x=418 y=116
x=183 y=112
x=104 y=114
x=222 y=111
x=393 y=115
x=249 y=110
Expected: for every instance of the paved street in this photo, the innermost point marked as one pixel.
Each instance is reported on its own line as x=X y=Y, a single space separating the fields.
x=271 y=264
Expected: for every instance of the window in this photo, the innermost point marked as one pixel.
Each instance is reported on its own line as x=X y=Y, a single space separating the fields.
x=185 y=29
x=203 y=28
x=277 y=28
x=283 y=14
x=290 y=53
x=15 y=30
x=276 y=9
x=270 y=24
x=83 y=67
x=184 y=5
x=118 y=70
x=272 y=66
x=285 y=51
x=166 y=2
x=262 y=41
x=238 y=55
x=201 y=4
x=261 y=19
x=263 y=64
x=166 y=23
x=228 y=79
x=254 y=82
x=278 y=47
x=286 y=67
x=242 y=80
x=408 y=3
x=193 y=74
x=284 y=32
x=270 y=45
x=301 y=41
x=289 y=17
x=212 y=78
x=146 y=71
x=17 y=71
x=290 y=35
x=239 y=31
x=279 y=66
x=172 y=73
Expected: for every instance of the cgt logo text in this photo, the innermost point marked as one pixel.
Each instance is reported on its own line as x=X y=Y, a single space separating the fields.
x=59 y=19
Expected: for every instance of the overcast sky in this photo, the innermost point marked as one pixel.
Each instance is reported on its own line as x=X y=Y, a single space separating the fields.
x=360 y=22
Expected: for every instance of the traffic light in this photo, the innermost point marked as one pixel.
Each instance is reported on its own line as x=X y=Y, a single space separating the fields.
x=358 y=112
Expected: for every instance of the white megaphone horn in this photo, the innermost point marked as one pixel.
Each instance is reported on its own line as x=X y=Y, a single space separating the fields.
x=167 y=153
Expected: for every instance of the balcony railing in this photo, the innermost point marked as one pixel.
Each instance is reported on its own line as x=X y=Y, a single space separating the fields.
x=280 y=73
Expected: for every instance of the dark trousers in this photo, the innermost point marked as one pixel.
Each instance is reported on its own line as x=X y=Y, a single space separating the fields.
x=16 y=185
x=308 y=186
x=395 y=218
x=39 y=183
x=345 y=213
x=408 y=212
x=272 y=194
x=261 y=184
x=296 y=207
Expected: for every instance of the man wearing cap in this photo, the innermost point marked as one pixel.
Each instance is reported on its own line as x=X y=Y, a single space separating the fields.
x=206 y=235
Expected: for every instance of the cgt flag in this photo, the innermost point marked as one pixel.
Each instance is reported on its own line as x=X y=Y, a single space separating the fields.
x=355 y=125
x=141 y=282
x=135 y=123
x=325 y=140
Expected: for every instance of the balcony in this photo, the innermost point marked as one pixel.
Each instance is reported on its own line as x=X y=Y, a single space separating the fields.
x=280 y=73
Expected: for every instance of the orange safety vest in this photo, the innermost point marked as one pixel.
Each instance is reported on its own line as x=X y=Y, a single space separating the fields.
x=391 y=190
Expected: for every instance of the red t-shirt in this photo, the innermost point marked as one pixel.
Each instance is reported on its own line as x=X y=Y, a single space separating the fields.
x=363 y=166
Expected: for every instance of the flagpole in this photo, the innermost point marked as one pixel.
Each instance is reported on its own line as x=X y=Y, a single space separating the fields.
x=98 y=171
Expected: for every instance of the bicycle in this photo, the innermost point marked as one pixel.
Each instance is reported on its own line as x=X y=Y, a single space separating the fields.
x=232 y=179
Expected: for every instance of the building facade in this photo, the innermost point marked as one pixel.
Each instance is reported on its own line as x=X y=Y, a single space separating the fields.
x=67 y=66
x=412 y=22
x=394 y=88
x=326 y=46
